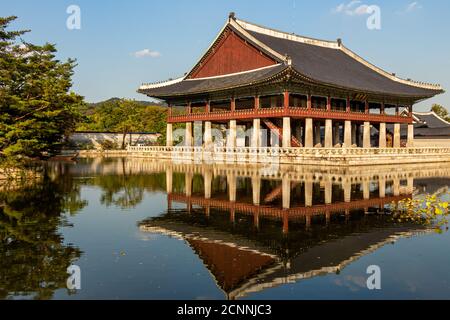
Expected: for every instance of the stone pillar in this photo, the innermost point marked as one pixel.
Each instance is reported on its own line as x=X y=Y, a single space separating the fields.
x=397 y=135
x=382 y=187
x=256 y=190
x=189 y=139
x=336 y=134
x=169 y=135
x=286 y=132
x=308 y=194
x=317 y=137
x=309 y=133
x=354 y=134
x=232 y=134
x=366 y=190
x=169 y=181
x=347 y=186
x=208 y=134
x=208 y=183
x=410 y=142
x=328 y=192
x=188 y=184
x=396 y=187
x=328 y=133
x=382 y=142
x=231 y=179
x=347 y=134
x=366 y=135
x=256 y=136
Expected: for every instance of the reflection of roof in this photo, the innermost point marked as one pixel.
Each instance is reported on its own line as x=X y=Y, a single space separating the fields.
x=242 y=261
x=325 y=62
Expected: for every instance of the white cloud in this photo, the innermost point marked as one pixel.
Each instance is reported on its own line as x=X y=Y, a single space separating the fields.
x=147 y=53
x=353 y=8
x=413 y=6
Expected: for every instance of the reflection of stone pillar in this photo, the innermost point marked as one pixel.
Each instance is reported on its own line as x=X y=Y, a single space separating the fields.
x=308 y=221
x=410 y=185
x=256 y=136
x=231 y=179
x=328 y=192
x=232 y=215
x=410 y=143
x=286 y=192
x=309 y=133
x=347 y=134
x=366 y=135
x=382 y=187
x=396 y=187
x=208 y=183
x=366 y=190
x=188 y=183
x=286 y=132
x=208 y=134
x=285 y=223
x=189 y=139
x=397 y=135
x=308 y=194
x=382 y=141
x=232 y=133
x=169 y=181
x=347 y=186
x=328 y=133
x=169 y=135
x=256 y=189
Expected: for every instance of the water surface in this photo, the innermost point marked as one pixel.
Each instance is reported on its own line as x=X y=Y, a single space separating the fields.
x=140 y=229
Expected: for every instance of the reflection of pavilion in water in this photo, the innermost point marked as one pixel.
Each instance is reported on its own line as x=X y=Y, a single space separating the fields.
x=256 y=230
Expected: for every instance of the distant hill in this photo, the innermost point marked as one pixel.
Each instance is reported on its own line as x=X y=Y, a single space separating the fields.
x=90 y=108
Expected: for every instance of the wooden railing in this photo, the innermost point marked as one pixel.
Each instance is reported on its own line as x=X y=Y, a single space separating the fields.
x=278 y=112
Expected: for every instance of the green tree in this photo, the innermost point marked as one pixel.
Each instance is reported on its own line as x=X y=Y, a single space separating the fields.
x=440 y=111
x=37 y=109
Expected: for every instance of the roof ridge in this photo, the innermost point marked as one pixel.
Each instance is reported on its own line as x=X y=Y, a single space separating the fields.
x=337 y=45
x=236 y=73
x=432 y=113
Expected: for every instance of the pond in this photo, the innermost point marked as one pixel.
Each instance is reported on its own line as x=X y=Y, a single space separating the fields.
x=143 y=229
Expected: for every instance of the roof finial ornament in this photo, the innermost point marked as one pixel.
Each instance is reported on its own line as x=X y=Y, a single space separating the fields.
x=339 y=42
x=232 y=16
x=288 y=59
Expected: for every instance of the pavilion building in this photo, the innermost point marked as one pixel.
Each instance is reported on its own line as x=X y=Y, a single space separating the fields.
x=305 y=92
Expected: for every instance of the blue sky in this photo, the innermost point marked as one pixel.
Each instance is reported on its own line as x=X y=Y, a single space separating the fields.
x=172 y=34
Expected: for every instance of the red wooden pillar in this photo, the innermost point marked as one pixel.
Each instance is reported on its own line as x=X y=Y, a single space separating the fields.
x=169 y=111
x=382 y=108
x=366 y=107
x=347 y=107
x=397 y=110
x=189 y=108
x=410 y=111
x=208 y=107
x=256 y=103
x=309 y=102
x=233 y=104
x=328 y=103
x=286 y=100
